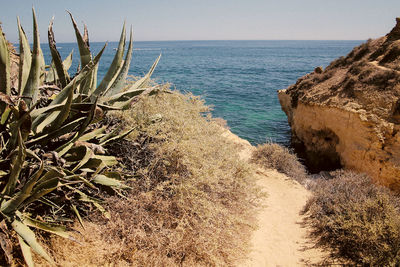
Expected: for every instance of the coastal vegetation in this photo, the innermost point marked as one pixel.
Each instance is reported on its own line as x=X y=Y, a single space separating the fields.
x=53 y=162
x=351 y=217
x=192 y=202
x=127 y=172
x=355 y=219
x=121 y=171
x=280 y=158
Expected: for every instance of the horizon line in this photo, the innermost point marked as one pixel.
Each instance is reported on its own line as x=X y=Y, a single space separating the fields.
x=211 y=40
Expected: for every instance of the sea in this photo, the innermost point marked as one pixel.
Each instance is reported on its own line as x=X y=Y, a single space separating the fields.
x=239 y=79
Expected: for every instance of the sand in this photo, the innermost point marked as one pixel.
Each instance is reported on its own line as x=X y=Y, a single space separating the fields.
x=281 y=239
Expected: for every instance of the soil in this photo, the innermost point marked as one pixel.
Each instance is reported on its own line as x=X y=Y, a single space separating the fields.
x=281 y=238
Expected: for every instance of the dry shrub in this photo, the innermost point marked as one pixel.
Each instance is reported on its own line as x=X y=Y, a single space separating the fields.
x=356 y=219
x=274 y=156
x=193 y=201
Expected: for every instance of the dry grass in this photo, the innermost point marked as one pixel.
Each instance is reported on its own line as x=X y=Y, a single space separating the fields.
x=357 y=220
x=274 y=156
x=193 y=202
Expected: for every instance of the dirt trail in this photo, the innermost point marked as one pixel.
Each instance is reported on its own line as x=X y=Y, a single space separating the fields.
x=280 y=239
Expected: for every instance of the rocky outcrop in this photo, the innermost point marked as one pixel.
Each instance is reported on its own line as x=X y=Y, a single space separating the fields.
x=349 y=114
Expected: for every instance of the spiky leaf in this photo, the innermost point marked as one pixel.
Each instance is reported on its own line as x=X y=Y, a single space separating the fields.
x=119 y=82
x=116 y=64
x=61 y=73
x=29 y=237
x=143 y=81
x=63 y=95
x=25 y=58
x=16 y=167
x=107 y=181
x=31 y=88
x=26 y=252
x=5 y=81
x=68 y=61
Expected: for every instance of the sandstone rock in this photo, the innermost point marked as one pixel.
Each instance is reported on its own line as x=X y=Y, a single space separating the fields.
x=349 y=114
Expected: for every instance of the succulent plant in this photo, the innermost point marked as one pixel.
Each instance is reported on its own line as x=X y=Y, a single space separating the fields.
x=52 y=159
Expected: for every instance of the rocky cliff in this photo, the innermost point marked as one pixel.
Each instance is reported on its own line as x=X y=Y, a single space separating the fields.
x=348 y=115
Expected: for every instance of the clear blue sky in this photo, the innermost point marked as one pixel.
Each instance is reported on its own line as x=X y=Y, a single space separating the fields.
x=208 y=19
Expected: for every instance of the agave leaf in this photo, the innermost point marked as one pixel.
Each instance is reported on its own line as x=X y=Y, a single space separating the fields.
x=5 y=115
x=75 y=154
x=36 y=112
x=42 y=67
x=94 y=201
x=68 y=61
x=123 y=96
x=31 y=88
x=59 y=132
x=75 y=210
x=123 y=135
x=88 y=154
x=143 y=81
x=114 y=68
x=13 y=204
x=88 y=106
x=25 y=58
x=5 y=81
x=56 y=118
x=42 y=189
x=80 y=178
x=50 y=174
x=22 y=124
x=67 y=146
x=64 y=113
x=107 y=160
x=96 y=164
x=93 y=83
x=16 y=167
x=108 y=136
x=54 y=229
x=83 y=74
x=123 y=105
x=64 y=93
x=84 y=49
x=102 y=209
x=107 y=181
x=92 y=134
x=51 y=75
x=56 y=56
x=119 y=82
x=29 y=238
x=26 y=252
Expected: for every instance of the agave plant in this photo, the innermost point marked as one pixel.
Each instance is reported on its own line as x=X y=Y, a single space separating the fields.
x=52 y=159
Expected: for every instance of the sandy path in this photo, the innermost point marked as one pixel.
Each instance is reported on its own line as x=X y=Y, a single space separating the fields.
x=280 y=239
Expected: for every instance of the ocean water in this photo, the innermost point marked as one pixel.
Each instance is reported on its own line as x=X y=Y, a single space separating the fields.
x=238 y=78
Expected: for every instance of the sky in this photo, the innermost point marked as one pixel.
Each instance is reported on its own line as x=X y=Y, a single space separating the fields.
x=156 y=20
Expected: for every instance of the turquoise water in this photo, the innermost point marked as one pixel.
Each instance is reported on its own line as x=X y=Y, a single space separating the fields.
x=238 y=78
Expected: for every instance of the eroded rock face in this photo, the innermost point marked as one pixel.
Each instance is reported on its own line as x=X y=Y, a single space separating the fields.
x=349 y=114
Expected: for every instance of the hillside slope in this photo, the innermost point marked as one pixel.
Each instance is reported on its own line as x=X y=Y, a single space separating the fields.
x=349 y=114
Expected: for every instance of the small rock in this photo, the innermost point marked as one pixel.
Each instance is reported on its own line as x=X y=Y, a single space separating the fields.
x=318 y=70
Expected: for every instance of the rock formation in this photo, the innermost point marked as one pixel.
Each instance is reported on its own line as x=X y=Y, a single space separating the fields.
x=348 y=115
